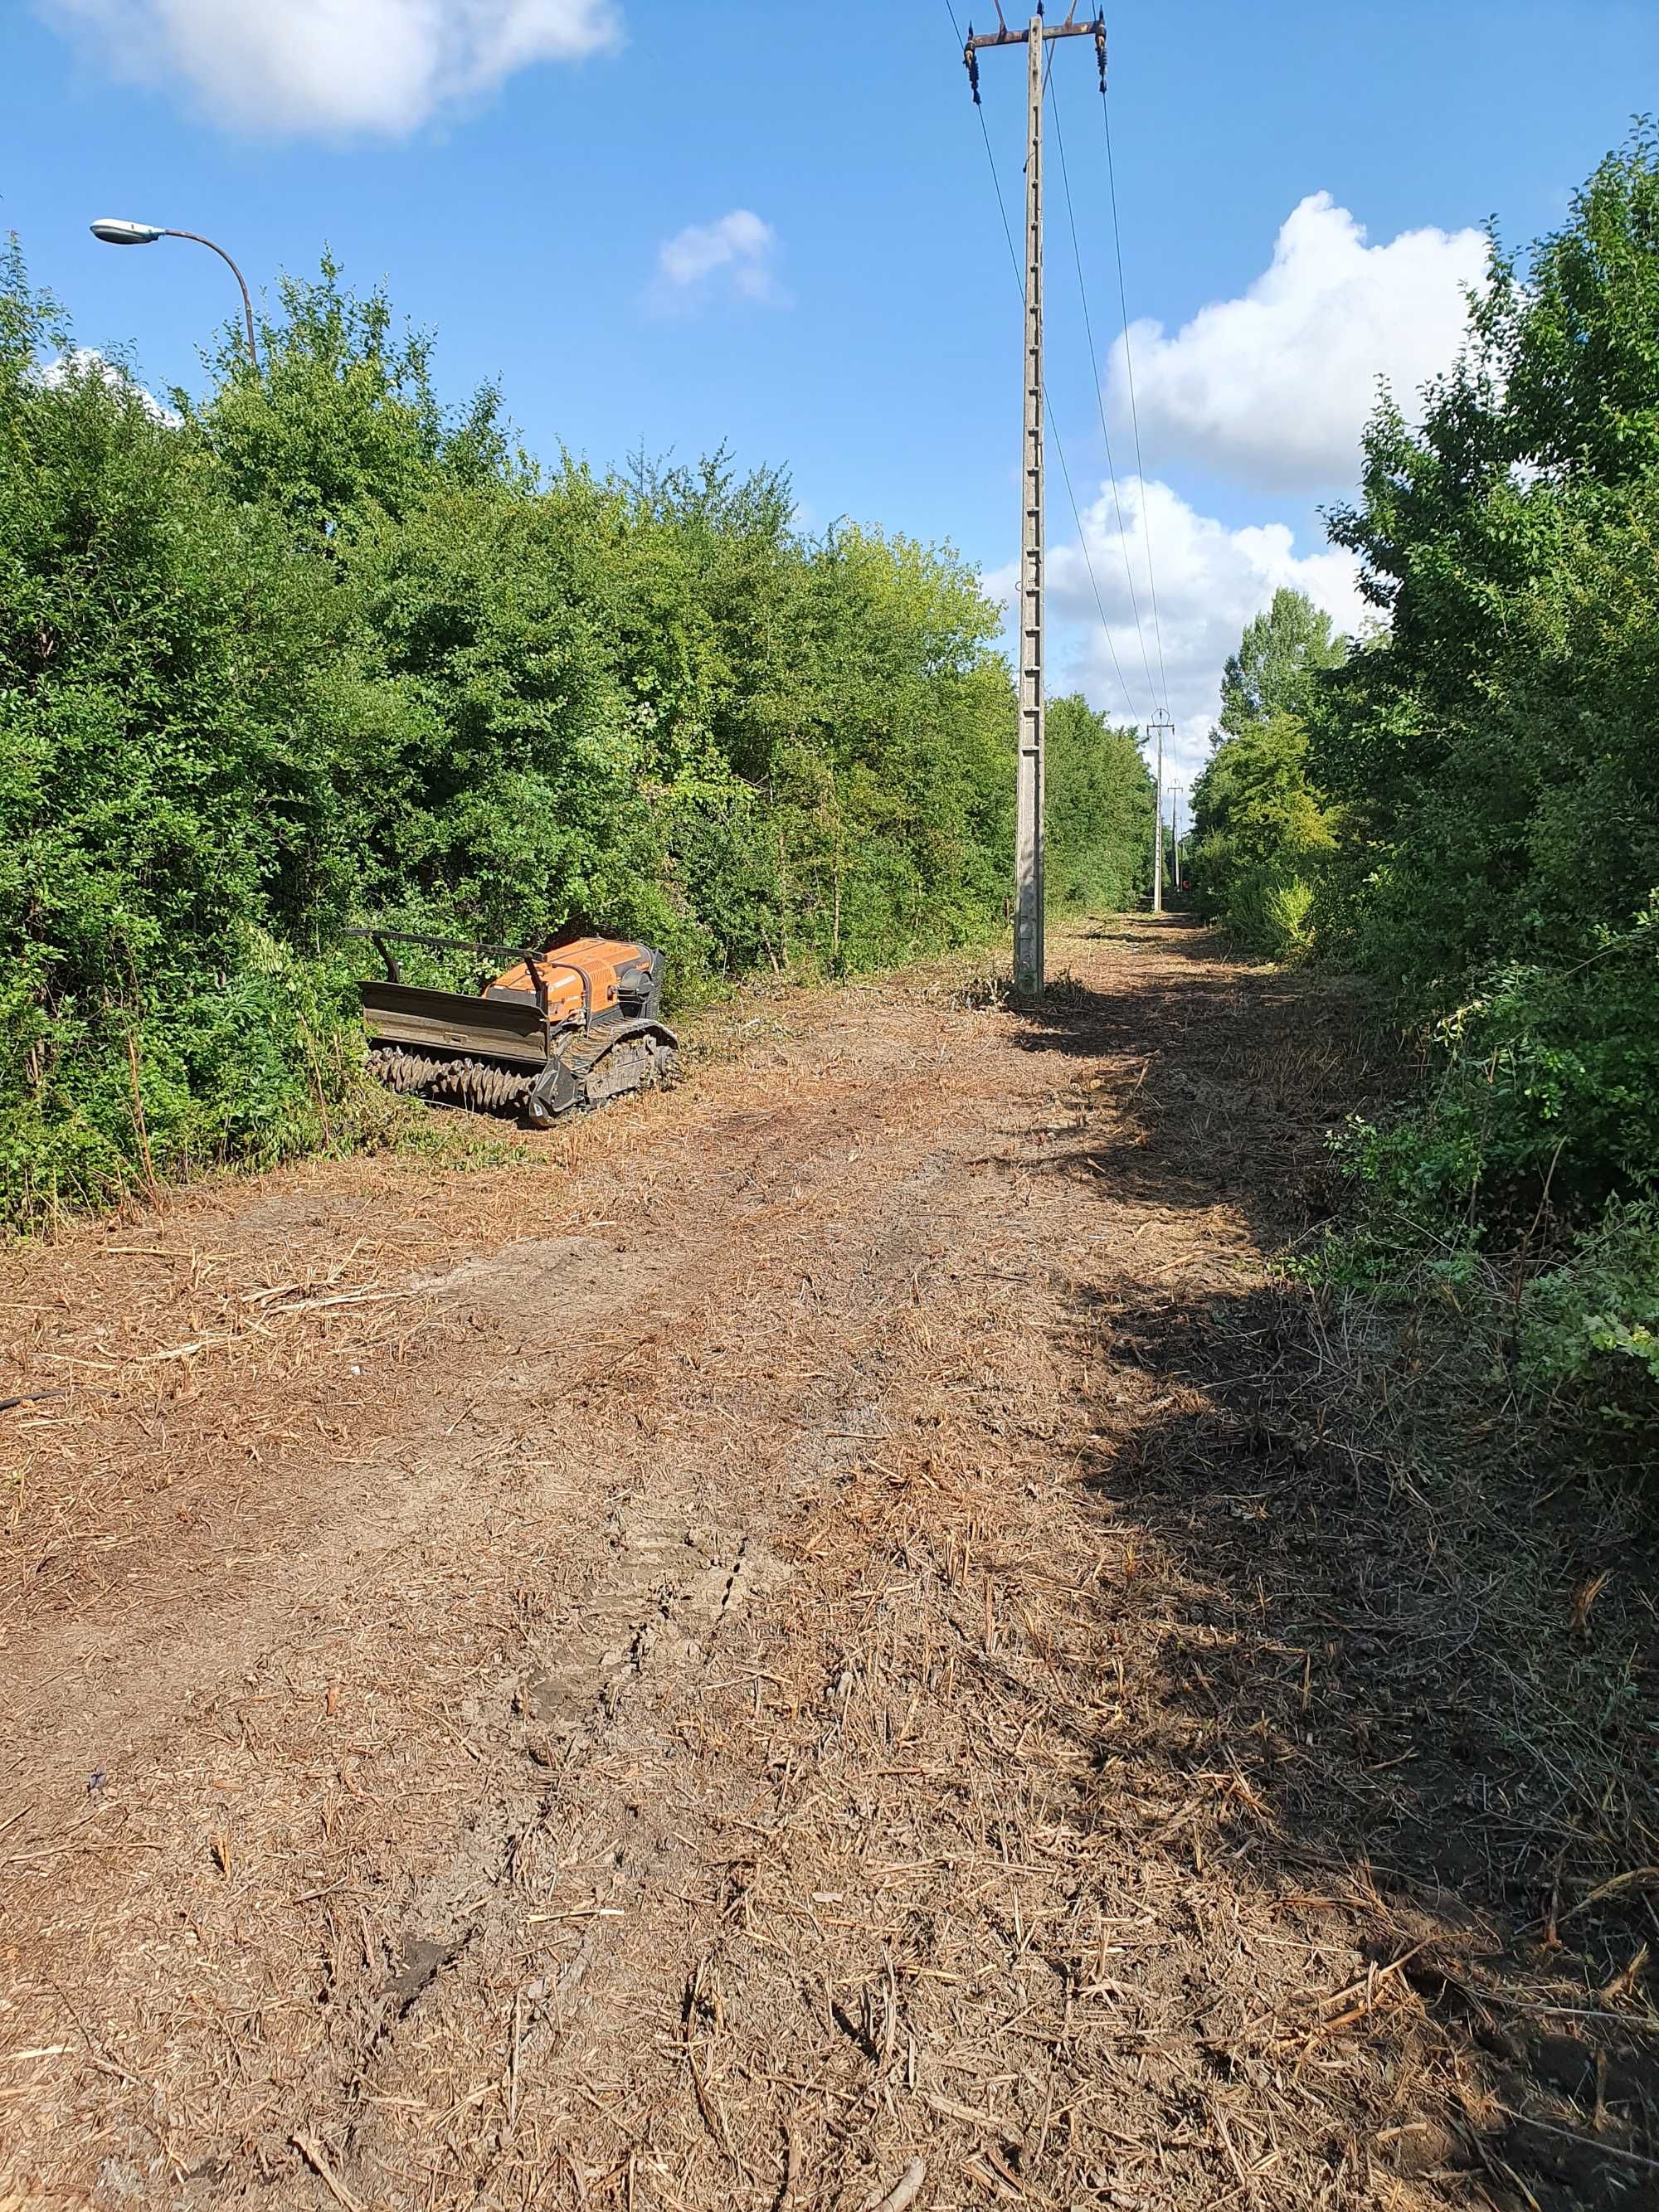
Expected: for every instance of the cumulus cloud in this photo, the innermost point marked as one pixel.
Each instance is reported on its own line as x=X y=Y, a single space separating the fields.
x=1275 y=387
x=335 y=66
x=733 y=254
x=1211 y=579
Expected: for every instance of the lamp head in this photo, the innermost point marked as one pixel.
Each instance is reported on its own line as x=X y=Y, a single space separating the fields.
x=114 y=231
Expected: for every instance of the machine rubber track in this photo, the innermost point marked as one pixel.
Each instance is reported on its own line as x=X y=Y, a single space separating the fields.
x=483 y=1085
x=614 y=1071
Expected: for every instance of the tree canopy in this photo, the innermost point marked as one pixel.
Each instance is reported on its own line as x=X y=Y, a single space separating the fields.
x=1466 y=805
x=1099 y=810
x=1259 y=828
x=324 y=651
x=1280 y=653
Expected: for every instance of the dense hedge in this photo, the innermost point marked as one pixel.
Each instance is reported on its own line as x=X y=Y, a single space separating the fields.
x=314 y=651
x=1492 y=754
x=1469 y=801
x=1097 y=813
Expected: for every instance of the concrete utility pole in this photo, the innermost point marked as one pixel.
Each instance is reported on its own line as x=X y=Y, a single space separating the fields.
x=1028 y=963
x=1176 y=788
x=1161 y=722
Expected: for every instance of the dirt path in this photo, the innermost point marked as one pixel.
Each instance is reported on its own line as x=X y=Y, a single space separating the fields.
x=830 y=1619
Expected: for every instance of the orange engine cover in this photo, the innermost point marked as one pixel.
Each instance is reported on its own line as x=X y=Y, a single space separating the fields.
x=598 y=958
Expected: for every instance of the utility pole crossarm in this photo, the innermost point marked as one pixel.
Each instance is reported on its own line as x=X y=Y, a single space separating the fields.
x=979 y=42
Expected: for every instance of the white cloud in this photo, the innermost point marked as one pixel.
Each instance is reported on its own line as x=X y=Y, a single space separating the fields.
x=1276 y=387
x=1210 y=582
x=733 y=254
x=335 y=66
x=87 y=360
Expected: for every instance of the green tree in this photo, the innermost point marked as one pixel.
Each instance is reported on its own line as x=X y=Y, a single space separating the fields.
x=1278 y=656
x=1098 y=811
x=1260 y=831
x=164 y=785
x=1260 y=836
x=1490 y=755
x=1492 y=751
x=342 y=414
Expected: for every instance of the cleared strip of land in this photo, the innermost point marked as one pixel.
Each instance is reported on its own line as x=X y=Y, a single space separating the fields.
x=828 y=1637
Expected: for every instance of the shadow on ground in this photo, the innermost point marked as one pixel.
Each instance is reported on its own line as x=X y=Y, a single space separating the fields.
x=1236 y=1076
x=1379 y=1644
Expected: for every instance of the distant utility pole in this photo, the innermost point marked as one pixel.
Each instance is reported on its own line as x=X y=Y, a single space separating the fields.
x=1174 y=834
x=1028 y=811
x=1161 y=722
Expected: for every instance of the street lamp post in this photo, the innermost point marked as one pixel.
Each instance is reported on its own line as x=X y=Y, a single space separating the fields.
x=114 y=231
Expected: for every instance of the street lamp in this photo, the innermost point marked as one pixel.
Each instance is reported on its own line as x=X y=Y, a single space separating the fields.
x=114 y=231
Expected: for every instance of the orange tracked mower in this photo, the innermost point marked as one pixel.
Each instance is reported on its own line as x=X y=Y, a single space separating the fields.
x=547 y=1032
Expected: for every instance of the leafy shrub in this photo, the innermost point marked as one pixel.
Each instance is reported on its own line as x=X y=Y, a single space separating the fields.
x=1490 y=752
x=1591 y=1326
x=1543 y=1088
x=166 y=792
x=1268 y=906
x=317 y=651
x=1289 y=907
x=1259 y=835
x=1098 y=811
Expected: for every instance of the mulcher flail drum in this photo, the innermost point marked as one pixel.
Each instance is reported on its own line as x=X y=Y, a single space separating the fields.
x=569 y=1027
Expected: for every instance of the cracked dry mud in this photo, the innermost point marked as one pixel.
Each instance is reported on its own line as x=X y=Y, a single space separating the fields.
x=750 y=1644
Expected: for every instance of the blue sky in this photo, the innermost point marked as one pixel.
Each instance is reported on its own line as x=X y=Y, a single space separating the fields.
x=864 y=330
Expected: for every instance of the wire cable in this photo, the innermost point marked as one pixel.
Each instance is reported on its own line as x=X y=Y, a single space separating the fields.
x=1100 y=399
x=991 y=161
x=1135 y=411
x=1060 y=450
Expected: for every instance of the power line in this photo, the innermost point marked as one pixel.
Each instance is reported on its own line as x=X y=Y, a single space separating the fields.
x=991 y=159
x=1088 y=562
x=1135 y=411
x=1060 y=450
x=1100 y=402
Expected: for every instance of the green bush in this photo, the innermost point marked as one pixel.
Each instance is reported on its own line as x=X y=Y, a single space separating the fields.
x=1543 y=1089
x=1590 y=1326
x=1259 y=836
x=167 y=793
x=1288 y=907
x=1490 y=752
x=317 y=651
x=1487 y=767
x=1097 y=814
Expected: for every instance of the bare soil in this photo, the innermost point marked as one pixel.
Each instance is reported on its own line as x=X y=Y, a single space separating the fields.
x=833 y=1638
